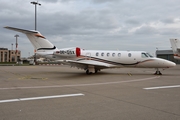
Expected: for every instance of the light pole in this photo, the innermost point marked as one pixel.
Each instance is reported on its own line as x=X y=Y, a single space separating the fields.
x=35 y=4
x=16 y=45
x=12 y=46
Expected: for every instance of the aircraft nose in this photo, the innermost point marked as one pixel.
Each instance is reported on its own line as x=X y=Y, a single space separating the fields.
x=171 y=64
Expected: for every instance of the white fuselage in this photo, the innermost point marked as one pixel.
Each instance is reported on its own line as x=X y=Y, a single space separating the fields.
x=114 y=59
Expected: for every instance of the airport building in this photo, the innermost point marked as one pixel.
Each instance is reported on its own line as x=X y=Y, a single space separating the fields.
x=167 y=54
x=9 y=55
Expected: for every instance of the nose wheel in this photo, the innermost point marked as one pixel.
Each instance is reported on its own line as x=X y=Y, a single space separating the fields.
x=157 y=72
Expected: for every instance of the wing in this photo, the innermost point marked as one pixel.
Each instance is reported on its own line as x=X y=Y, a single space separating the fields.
x=83 y=64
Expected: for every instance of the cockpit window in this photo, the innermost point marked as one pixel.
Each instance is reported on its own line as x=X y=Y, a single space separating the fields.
x=144 y=55
x=149 y=55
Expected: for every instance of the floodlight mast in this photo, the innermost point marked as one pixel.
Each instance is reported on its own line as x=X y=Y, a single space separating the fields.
x=35 y=4
x=16 y=46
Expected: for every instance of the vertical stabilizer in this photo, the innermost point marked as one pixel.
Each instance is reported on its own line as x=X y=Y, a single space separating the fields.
x=39 y=42
x=175 y=44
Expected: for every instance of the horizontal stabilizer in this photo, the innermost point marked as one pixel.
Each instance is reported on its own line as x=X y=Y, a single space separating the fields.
x=21 y=30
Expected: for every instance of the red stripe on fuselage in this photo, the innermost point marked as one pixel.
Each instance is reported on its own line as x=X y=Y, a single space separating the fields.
x=78 y=51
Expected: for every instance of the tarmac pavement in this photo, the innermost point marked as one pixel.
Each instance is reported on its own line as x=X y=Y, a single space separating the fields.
x=64 y=93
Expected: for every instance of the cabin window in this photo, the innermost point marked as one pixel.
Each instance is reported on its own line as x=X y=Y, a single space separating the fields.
x=97 y=54
x=129 y=55
x=113 y=54
x=119 y=54
x=143 y=55
x=108 y=54
x=102 y=54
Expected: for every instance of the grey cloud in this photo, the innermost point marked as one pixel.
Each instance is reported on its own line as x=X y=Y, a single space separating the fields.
x=132 y=22
x=167 y=20
x=93 y=24
x=86 y=22
x=146 y=30
x=62 y=1
x=170 y=32
x=50 y=1
x=104 y=1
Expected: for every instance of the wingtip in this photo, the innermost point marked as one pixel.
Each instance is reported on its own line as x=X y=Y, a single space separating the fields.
x=21 y=30
x=6 y=26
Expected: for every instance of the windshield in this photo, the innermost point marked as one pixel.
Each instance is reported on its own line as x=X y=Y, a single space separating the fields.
x=149 y=55
x=143 y=55
x=146 y=55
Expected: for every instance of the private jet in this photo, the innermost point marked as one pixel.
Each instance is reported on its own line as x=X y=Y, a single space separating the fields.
x=92 y=61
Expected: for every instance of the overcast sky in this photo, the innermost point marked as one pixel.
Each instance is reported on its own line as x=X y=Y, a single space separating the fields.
x=93 y=24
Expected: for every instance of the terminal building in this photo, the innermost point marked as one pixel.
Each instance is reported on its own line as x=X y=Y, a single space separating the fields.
x=9 y=55
x=167 y=54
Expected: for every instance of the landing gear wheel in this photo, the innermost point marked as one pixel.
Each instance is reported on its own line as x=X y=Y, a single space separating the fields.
x=158 y=72
x=88 y=73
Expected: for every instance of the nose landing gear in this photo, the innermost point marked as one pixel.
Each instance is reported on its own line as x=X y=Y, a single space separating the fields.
x=157 y=72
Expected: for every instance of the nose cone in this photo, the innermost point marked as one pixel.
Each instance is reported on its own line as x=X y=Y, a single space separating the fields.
x=167 y=63
x=170 y=64
x=162 y=63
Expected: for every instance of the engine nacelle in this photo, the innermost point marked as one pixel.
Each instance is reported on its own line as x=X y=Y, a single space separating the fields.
x=68 y=52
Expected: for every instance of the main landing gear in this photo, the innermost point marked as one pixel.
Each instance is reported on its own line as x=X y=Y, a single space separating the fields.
x=157 y=72
x=90 y=71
